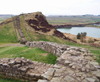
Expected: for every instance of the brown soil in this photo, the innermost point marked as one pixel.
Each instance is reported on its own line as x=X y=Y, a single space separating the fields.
x=44 y=54
x=88 y=40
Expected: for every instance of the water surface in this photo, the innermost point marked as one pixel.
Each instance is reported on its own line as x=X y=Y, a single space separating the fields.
x=91 y=31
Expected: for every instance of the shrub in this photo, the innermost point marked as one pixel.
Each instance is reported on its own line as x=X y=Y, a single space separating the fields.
x=78 y=36
x=82 y=36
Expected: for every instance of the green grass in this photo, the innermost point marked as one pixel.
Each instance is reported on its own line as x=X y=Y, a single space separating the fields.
x=7 y=34
x=9 y=80
x=97 y=54
x=34 y=54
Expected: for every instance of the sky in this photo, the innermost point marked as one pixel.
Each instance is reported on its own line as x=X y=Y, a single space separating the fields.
x=50 y=7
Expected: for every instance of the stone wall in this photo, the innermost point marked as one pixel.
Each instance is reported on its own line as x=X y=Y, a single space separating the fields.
x=22 y=68
x=74 y=64
x=56 y=49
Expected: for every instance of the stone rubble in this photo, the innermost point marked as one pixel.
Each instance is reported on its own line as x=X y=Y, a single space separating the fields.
x=73 y=64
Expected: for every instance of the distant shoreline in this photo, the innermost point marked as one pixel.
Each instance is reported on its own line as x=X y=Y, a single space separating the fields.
x=77 y=25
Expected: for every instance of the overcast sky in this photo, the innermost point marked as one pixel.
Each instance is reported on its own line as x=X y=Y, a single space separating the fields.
x=50 y=7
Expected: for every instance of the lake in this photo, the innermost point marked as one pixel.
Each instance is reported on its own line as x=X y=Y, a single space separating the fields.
x=91 y=31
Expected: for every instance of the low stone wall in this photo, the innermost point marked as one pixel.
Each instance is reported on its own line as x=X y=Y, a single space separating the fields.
x=56 y=49
x=22 y=68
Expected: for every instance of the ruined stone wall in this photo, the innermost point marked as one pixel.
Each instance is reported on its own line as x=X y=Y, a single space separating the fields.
x=22 y=68
x=74 y=64
x=56 y=49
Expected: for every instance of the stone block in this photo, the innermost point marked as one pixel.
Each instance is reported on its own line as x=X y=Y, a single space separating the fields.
x=47 y=77
x=69 y=79
x=55 y=79
x=42 y=81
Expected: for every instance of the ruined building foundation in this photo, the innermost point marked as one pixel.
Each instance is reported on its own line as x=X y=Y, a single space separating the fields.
x=74 y=64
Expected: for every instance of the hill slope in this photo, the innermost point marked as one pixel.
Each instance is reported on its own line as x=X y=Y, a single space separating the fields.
x=33 y=26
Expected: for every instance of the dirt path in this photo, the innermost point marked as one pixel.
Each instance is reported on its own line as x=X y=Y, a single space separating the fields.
x=17 y=44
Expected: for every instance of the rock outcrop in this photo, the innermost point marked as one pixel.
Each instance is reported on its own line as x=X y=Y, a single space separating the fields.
x=38 y=22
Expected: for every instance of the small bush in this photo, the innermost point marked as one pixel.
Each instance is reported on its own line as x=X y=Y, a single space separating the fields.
x=78 y=36
x=82 y=36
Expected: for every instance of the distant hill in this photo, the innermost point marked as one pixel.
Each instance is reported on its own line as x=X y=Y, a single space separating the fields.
x=72 y=19
x=30 y=27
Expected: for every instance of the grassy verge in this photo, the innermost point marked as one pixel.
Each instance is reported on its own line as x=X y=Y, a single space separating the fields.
x=34 y=54
x=9 y=80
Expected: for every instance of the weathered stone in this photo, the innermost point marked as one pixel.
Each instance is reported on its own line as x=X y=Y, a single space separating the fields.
x=42 y=81
x=73 y=67
x=79 y=74
x=12 y=62
x=56 y=79
x=96 y=73
x=47 y=77
x=50 y=72
x=69 y=79
x=83 y=69
x=90 y=79
x=85 y=80
x=67 y=62
x=56 y=66
x=94 y=63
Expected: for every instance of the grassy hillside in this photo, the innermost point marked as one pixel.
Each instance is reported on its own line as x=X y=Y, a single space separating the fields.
x=1 y=20
x=7 y=33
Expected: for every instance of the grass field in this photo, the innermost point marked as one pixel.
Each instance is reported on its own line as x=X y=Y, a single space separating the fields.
x=34 y=54
x=1 y=20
